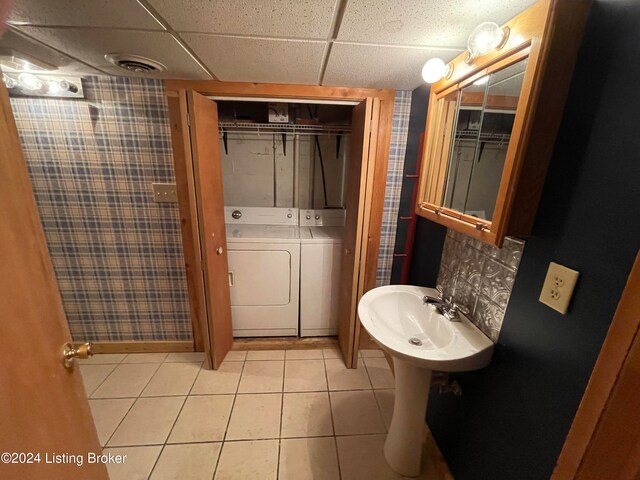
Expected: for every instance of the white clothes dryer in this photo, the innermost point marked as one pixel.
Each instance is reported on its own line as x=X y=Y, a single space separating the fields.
x=264 y=270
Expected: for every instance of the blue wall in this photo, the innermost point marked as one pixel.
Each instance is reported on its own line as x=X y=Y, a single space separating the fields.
x=513 y=417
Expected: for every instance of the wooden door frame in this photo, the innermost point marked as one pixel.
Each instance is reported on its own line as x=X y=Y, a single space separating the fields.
x=185 y=186
x=624 y=329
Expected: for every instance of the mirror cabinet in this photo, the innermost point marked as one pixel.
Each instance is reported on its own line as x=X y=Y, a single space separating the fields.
x=491 y=125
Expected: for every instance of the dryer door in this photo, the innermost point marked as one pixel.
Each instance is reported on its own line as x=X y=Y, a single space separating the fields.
x=259 y=277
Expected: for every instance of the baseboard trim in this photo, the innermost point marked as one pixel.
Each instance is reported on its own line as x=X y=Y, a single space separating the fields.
x=143 y=347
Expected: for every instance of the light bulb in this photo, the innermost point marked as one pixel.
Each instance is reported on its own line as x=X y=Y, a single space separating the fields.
x=434 y=70
x=8 y=81
x=484 y=38
x=57 y=87
x=29 y=81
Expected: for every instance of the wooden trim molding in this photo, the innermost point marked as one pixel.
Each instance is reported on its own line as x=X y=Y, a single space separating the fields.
x=143 y=347
x=624 y=330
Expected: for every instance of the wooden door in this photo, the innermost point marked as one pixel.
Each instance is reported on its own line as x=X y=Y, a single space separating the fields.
x=43 y=407
x=359 y=182
x=604 y=440
x=207 y=173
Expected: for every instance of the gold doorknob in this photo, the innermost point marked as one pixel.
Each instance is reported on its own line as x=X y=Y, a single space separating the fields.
x=69 y=352
x=219 y=251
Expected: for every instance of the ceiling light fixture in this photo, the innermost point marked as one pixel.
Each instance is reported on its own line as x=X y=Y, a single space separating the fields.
x=435 y=69
x=28 y=84
x=484 y=38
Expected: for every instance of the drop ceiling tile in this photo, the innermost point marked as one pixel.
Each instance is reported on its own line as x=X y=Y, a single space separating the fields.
x=91 y=45
x=258 y=60
x=83 y=13
x=369 y=66
x=14 y=41
x=266 y=18
x=422 y=22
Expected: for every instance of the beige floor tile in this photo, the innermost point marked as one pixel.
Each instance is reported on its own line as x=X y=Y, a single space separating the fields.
x=261 y=377
x=202 y=419
x=136 y=466
x=255 y=416
x=355 y=413
x=94 y=375
x=172 y=379
x=304 y=376
x=385 y=400
x=145 y=358
x=107 y=415
x=195 y=461
x=362 y=457
x=343 y=378
x=236 y=356
x=265 y=355
x=371 y=353
x=248 y=460
x=331 y=352
x=379 y=372
x=306 y=415
x=308 y=459
x=221 y=381
x=185 y=357
x=314 y=354
x=101 y=358
x=148 y=422
x=127 y=380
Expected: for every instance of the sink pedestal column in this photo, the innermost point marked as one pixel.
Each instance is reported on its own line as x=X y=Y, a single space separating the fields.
x=403 y=447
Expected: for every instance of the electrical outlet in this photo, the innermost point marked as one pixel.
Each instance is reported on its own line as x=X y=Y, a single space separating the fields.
x=558 y=287
x=164 y=192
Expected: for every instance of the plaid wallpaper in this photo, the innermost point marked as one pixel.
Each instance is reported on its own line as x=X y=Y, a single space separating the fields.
x=117 y=255
x=401 y=111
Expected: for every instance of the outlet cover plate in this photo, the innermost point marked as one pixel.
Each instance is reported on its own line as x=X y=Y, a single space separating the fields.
x=558 y=287
x=165 y=193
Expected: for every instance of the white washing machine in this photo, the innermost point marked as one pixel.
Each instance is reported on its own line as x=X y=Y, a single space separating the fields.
x=321 y=240
x=264 y=270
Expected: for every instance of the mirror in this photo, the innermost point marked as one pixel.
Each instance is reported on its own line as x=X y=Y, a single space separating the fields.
x=472 y=132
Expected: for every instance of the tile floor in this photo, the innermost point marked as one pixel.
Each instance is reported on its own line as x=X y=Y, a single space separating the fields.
x=298 y=414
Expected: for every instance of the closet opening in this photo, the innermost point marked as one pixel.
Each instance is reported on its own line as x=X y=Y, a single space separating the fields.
x=284 y=181
x=281 y=200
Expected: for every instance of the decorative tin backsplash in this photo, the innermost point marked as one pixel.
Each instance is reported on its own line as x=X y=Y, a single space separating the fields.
x=480 y=277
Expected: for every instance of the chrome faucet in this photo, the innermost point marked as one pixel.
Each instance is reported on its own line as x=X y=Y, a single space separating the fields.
x=445 y=306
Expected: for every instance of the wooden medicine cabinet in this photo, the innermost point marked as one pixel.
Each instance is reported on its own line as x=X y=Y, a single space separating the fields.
x=492 y=124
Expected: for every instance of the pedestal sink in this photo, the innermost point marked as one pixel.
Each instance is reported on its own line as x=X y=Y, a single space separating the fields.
x=420 y=340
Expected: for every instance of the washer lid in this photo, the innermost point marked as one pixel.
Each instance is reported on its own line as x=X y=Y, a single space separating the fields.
x=321 y=234
x=263 y=233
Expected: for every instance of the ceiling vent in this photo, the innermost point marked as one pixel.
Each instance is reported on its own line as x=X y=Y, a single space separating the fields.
x=135 y=63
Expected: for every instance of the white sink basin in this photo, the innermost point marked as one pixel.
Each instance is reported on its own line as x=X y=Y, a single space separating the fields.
x=420 y=340
x=396 y=313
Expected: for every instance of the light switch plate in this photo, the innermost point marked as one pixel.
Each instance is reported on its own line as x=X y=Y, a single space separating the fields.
x=164 y=192
x=558 y=287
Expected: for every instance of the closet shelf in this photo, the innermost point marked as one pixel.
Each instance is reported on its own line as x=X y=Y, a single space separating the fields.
x=238 y=127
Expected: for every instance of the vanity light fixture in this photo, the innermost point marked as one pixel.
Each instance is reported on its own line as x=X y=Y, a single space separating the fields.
x=27 y=84
x=484 y=38
x=435 y=69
